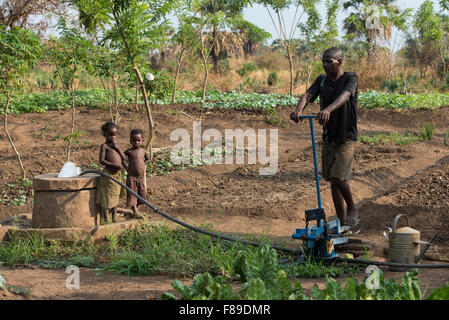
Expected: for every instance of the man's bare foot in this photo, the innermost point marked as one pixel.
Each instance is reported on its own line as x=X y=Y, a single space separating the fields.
x=352 y=217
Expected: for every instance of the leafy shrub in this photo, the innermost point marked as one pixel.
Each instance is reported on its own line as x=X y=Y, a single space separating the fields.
x=273 y=78
x=443 y=68
x=205 y=287
x=261 y=263
x=246 y=69
x=161 y=87
x=223 y=66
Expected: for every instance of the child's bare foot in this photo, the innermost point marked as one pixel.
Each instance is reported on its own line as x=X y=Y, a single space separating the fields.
x=136 y=214
x=103 y=217
x=114 y=215
x=352 y=217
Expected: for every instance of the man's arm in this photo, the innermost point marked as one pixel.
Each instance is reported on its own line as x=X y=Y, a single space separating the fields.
x=302 y=103
x=310 y=96
x=324 y=115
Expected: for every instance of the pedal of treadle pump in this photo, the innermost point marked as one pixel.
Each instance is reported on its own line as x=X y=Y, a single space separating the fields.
x=315 y=214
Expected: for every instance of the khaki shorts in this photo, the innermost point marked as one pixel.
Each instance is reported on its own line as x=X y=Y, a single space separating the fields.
x=337 y=160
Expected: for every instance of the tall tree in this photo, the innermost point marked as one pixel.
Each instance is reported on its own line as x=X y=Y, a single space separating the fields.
x=207 y=21
x=424 y=40
x=372 y=20
x=186 y=37
x=108 y=66
x=229 y=9
x=20 y=50
x=134 y=27
x=286 y=33
x=253 y=35
x=20 y=13
x=70 y=54
x=318 y=34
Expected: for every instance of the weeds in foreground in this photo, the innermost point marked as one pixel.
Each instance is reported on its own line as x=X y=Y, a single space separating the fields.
x=150 y=249
x=428 y=131
x=312 y=269
x=206 y=287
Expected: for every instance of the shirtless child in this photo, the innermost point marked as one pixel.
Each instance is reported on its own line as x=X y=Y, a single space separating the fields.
x=112 y=157
x=137 y=159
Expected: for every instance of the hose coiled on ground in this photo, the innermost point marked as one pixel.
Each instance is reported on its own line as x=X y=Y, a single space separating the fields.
x=288 y=250
x=186 y=225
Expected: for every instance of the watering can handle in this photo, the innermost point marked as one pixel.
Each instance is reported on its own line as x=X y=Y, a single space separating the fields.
x=396 y=221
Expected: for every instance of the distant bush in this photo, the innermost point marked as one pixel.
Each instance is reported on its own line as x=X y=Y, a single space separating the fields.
x=273 y=78
x=399 y=84
x=223 y=66
x=271 y=61
x=246 y=69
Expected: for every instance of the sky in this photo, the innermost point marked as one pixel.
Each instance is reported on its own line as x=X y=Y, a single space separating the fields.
x=259 y=16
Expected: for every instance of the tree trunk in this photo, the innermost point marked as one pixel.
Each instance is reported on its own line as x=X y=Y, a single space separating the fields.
x=178 y=68
x=114 y=90
x=137 y=97
x=213 y=54
x=72 y=127
x=142 y=88
x=206 y=76
x=5 y=126
x=106 y=90
x=148 y=110
x=290 y=63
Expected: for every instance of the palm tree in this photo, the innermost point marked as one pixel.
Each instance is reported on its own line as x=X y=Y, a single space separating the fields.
x=231 y=9
x=371 y=20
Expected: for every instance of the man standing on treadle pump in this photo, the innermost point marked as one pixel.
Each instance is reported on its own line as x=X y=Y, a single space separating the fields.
x=338 y=114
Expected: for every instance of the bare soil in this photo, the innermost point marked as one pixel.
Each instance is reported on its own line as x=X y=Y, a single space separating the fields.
x=387 y=180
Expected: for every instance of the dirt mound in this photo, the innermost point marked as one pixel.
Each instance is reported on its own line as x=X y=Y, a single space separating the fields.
x=406 y=118
x=430 y=190
x=424 y=198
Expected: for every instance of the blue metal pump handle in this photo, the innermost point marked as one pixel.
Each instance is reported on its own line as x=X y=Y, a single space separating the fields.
x=317 y=179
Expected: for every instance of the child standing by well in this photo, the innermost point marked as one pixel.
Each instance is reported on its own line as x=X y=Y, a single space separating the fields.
x=137 y=159
x=112 y=157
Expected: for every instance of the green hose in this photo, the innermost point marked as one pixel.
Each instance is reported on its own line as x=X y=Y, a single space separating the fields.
x=289 y=250
x=188 y=226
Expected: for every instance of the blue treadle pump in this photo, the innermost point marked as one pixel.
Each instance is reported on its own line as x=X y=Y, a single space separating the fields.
x=319 y=239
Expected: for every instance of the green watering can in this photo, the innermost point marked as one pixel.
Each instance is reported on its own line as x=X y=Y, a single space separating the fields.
x=405 y=244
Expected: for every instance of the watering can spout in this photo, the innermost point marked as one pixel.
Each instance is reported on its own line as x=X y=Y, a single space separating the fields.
x=426 y=246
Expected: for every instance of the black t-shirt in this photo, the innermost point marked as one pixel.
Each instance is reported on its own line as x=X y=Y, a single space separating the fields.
x=342 y=125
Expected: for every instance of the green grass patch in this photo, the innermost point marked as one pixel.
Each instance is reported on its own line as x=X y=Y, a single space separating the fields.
x=428 y=131
x=393 y=138
x=155 y=249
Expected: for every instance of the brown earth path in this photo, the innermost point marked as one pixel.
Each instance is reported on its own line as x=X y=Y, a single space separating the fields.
x=235 y=198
